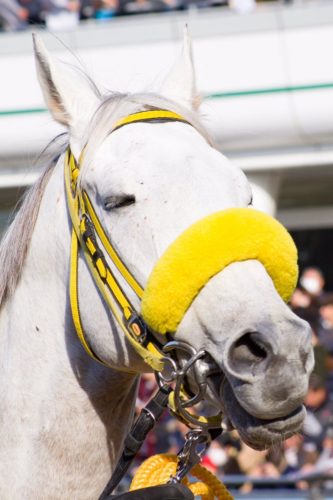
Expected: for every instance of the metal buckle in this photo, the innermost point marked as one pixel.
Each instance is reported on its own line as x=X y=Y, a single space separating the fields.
x=137 y=327
x=89 y=232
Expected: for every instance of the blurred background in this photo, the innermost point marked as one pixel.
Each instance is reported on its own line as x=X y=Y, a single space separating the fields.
x=265 y=71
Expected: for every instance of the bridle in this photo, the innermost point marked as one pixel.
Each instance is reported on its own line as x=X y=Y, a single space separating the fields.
x=184 y=374
x=88 y=235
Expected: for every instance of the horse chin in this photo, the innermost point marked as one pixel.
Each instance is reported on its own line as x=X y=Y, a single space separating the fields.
x=258 y=433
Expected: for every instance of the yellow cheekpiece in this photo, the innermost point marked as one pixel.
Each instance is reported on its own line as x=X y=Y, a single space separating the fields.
x=205 y=249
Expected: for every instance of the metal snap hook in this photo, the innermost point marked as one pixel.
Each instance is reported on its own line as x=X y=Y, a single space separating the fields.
x=196 y=443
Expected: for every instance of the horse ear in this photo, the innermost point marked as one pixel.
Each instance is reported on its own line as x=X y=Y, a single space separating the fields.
x=179 y=85
x=67 y=92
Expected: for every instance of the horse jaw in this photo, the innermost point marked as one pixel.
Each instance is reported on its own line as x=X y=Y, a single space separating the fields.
x=263 y=350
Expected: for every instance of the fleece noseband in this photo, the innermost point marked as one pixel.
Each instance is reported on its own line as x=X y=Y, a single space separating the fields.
x=205 y=249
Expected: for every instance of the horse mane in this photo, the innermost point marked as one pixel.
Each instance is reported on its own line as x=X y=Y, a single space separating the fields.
x=16 y=240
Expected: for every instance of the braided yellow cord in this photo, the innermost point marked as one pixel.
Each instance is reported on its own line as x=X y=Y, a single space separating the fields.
x=159 y=468
x=215 y=485
x=202 y=490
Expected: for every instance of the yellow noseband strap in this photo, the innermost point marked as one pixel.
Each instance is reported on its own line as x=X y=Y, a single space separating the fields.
x=205 y=249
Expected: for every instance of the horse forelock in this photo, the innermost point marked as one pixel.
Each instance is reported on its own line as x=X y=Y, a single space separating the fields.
x=116 y=106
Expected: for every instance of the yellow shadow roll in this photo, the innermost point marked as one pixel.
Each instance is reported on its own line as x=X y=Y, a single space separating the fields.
x=205 y=249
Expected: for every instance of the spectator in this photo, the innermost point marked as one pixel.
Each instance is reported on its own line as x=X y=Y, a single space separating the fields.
x=12 y=15
x=310 y=289
x=34 y=9
x=242 y=6
x=312 y=316
x=105 y=9
x=329 y=372
x=232 y=445
x=319 y=408
x=256 y=464
x=325 y=461
x=61 y=14
x=325 y=328
x=293 y=454
x=312 y=281
x=222 y=455
x=326 y=458
x=142 y=6
x=215 y=457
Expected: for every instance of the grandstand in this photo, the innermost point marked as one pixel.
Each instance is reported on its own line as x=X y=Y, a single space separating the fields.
x=266 y=76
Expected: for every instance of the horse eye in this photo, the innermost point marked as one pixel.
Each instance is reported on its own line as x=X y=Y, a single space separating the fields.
x=119 y=201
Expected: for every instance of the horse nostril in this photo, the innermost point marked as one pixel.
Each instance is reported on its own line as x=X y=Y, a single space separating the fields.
x=249 y=350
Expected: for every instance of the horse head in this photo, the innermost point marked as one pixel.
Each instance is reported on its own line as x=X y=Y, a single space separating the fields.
x=149 y=182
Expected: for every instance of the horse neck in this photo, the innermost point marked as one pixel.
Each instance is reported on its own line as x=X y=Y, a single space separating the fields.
x=37 y=306
x=44 y=367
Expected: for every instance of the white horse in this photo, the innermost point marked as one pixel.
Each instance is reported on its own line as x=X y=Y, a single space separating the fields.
x=63 y=416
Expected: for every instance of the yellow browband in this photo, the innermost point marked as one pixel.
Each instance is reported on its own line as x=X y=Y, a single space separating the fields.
x=88 y=234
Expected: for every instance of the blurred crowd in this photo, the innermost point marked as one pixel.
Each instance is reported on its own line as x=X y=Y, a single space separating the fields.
x=17 y=15
x=308 y=452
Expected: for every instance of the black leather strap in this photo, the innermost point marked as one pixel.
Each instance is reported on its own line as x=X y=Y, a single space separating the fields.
x=134 y=440
x=162 y=492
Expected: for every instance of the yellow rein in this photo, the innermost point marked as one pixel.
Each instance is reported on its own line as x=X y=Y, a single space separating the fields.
x=86 y=226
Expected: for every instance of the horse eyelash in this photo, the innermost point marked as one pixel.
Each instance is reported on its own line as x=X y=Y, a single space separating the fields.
x=119 y=201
